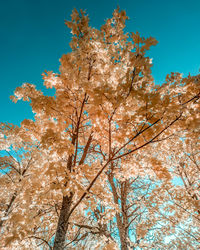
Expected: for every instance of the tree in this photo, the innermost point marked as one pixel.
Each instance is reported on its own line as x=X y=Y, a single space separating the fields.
x=182 y=209
x=129 y=224
x=19 y=166
x=107 y=113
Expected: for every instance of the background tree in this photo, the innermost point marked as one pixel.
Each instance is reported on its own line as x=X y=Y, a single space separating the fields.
x=127 y=223
x=19 y=165
x=106 y=108
x=182 y=209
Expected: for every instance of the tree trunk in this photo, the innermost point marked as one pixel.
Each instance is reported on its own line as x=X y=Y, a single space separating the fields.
x=120 y=224
x=123 y=237
x=59 y=242
x=124 y=245
x=63 y=221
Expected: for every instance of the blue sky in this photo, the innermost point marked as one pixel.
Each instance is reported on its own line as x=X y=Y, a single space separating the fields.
x=33 y=38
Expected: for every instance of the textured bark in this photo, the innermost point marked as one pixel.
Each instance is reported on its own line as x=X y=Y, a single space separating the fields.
x=121 y=225
x=63 y=222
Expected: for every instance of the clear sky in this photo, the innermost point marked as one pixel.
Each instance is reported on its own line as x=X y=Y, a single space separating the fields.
x=33 y=37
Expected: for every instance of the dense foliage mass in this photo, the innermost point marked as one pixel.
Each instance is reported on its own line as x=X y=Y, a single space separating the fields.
x=111 y=161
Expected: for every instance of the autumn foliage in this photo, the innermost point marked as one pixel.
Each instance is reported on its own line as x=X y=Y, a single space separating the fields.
x=98 y=166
